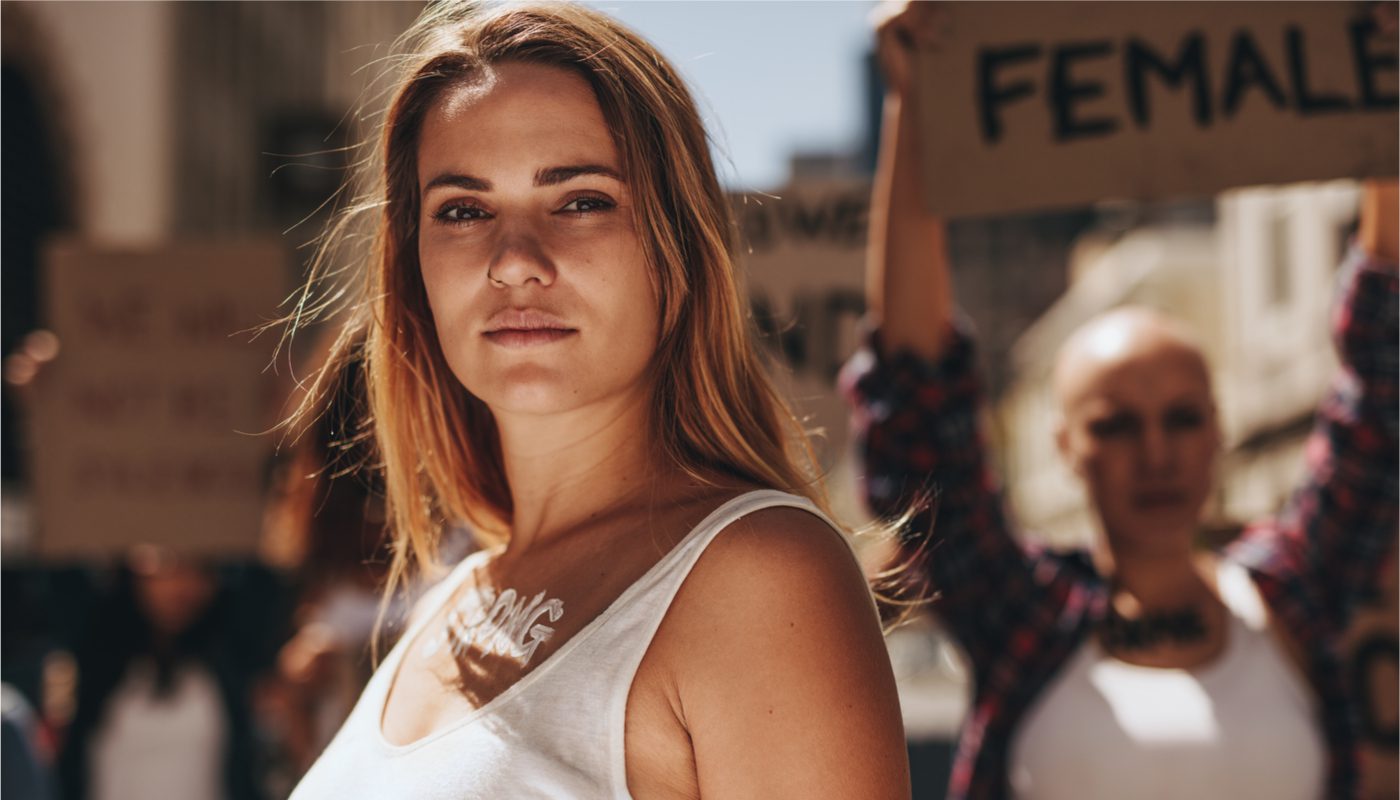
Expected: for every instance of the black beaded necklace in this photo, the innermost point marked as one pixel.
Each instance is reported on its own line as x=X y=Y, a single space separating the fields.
x=1182 y=626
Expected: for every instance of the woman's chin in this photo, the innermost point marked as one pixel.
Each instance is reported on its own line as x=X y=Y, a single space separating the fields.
x=1163 y=531
x=531 y=401
x=544 y=396
x=539 y=387
x=525 y=388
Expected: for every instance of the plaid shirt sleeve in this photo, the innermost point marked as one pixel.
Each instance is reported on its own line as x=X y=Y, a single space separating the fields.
x=1331 y=539
x=915 y=424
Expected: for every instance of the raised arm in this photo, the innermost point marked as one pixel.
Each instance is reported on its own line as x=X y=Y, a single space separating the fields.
x=906 y=272
x=1333 y=535
x=915 y=393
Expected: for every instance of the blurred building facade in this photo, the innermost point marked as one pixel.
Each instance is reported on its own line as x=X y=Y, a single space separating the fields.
x=171 y=117
x=135 y=124
x=1277 y=356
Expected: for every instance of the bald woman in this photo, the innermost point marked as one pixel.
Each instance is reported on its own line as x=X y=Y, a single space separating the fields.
x=1141 y=667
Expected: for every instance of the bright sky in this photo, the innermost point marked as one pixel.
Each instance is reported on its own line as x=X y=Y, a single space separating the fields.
x=771 y=77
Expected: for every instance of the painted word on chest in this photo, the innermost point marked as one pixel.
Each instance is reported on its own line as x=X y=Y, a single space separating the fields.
x=502 y=624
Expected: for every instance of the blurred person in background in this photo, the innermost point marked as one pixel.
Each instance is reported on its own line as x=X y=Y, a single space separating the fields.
x=164 y=682
x=1141 y=667
x=560 y=355
x=165 y=665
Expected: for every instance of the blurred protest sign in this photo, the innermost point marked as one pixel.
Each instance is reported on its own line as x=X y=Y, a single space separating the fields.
x=803 y=249
x=144 y=428
x=1030 y=105
x=1371 y=654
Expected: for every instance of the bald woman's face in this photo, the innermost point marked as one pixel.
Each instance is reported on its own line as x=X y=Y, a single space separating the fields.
x=1139 y=427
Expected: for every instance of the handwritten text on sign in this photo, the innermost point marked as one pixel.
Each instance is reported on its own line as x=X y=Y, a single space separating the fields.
x=144 y=426
x=803 y=253
x=1030 y=105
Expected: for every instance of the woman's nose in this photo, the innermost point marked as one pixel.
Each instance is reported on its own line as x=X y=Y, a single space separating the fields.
x=520 y=258
x=1157 y=453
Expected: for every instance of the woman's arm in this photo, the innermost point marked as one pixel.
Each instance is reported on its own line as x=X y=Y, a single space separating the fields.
x=906 y=273
x=780 y=672
x=915 y=393
x=1332 y=537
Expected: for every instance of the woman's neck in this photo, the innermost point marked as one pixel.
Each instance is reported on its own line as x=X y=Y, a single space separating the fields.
x=566 y=468
x=1165 y=609
x=1154 y=581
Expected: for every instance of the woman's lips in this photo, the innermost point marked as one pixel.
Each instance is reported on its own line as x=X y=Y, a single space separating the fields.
x=528 y=337
x=526 y=327
x=1162 y=498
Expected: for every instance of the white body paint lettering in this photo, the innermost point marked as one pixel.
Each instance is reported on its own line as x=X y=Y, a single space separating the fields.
x=502 y=625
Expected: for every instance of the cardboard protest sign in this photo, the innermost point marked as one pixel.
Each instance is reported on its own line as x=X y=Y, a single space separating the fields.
x=1029 y=105
x=803 y=257
x=145 y=428
x=1371 y=660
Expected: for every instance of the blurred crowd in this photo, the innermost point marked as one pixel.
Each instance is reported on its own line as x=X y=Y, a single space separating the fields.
x=163 y=675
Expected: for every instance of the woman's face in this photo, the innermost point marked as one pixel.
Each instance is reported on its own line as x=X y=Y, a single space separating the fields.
x=171 y=594
x=1140 y=431
x=536 y=276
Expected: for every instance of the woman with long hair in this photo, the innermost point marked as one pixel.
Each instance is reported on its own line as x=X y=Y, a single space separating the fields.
x=559 y=354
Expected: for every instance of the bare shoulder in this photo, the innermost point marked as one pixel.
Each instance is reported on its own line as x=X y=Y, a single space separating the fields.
x=780 y=667
x=777 y=553
x=777 y=574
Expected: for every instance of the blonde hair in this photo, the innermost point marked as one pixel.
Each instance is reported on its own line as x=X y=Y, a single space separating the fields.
x=715 y=410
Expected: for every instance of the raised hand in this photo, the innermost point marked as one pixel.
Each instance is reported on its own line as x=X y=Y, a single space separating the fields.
x=901 y=27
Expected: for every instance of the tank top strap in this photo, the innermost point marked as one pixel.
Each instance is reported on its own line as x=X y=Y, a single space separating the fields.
x=647 y=600
x=679 y=562
x=439 y=593
x=1240 y=595
x=428 y=605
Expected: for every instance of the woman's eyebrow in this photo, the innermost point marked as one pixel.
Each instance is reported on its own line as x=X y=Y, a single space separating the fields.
x=549 y=176
x=471 y=184
x=553 y=176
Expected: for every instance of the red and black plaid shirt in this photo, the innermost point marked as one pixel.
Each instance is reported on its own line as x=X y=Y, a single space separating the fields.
x=1020 y=611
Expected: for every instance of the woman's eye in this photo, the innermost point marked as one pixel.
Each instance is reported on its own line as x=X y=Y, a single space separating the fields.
x=1183 y=419
x=584 y=205
x=1115 y=426
x=460 y=213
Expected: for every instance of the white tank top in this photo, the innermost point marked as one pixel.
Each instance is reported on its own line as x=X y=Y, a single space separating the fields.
x=1244 y=725
x=555 y=733
x=168 y=746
